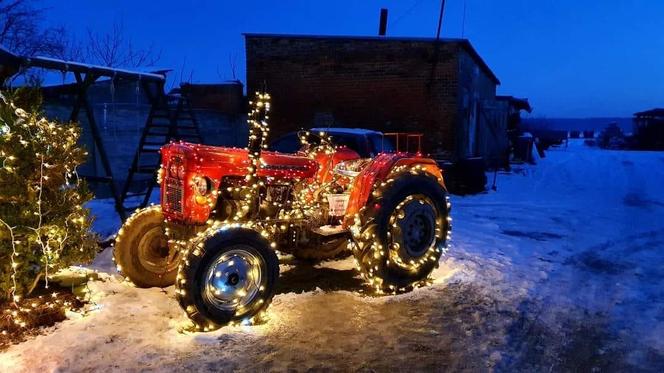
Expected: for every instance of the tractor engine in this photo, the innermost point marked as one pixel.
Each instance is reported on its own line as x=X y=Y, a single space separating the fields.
x=199 y=183
x=302 y=196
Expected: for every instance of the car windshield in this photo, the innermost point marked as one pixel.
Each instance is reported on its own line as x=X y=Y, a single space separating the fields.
x=380 y=144
x=365 y=144
x=289 y=143
x=350 y=141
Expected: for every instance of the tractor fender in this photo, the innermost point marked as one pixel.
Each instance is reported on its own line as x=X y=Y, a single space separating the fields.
x=380 y=170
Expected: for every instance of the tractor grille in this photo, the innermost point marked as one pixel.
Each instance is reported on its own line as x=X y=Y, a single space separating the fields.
x=174 y=195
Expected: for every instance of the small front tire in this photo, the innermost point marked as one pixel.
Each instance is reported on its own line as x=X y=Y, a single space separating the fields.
x=228 y=275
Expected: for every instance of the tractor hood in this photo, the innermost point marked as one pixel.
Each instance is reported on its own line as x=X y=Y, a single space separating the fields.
x=226 y=161
x=184 y=165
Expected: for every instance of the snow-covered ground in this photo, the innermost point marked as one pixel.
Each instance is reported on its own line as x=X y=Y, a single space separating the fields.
x=562 y=268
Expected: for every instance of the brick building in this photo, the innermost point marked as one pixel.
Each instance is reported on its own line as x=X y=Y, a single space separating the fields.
x=443 y=89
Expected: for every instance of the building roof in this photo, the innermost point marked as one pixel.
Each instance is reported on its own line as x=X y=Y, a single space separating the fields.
x=11 y=63
x=657 y=112
x=517 y=103
x=464 y=43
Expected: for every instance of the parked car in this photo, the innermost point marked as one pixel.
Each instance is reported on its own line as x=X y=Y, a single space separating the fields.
x=367 y=143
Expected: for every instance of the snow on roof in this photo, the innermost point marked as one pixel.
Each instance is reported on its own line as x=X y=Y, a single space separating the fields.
x=74 y=65
x=353 y=131
x=14 y=61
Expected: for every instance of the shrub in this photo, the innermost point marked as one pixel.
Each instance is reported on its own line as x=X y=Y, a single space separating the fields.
x=43 y=224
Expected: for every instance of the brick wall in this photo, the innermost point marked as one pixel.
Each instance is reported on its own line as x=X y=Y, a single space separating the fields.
x=383 y=84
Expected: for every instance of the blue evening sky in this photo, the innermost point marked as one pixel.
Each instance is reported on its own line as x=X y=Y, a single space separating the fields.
x=570 y=58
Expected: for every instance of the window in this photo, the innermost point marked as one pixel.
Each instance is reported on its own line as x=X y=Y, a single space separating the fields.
x=288 y=143
x=380 y=144
x=353 y=142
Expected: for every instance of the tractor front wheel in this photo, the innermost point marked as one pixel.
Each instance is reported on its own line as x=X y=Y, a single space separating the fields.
x=141 y=250
x=402 y=232
x=228 y=275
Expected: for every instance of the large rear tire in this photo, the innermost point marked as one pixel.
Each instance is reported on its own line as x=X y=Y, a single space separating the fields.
x=228 y=275
x=402 y=232
x=141 y=250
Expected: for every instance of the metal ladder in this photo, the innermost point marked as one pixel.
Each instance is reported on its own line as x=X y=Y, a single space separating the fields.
x=170 y=118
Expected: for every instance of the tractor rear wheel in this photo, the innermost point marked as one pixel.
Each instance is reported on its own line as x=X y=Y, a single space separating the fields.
x=228 y=275
x=402 y=232
x=141 y=250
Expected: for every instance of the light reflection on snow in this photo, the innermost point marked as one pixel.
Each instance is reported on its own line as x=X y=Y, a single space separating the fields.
x=489 y=285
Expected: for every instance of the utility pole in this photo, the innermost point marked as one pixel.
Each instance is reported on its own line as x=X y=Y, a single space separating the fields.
x=436 y=48
x=382 y=26
x=463 y=22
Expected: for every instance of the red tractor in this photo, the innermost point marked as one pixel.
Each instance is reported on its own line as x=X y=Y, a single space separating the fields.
x=226 y=211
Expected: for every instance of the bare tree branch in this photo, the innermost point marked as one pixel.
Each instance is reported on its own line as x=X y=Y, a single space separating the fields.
x=232 y=62
x=21 y=32
x=114 y=49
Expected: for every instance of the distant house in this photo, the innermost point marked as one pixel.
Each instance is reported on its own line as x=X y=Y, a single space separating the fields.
x=649 y=129
x=443 y=89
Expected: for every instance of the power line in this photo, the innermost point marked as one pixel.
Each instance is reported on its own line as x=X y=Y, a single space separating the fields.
x=407 y=12
x=440 y=18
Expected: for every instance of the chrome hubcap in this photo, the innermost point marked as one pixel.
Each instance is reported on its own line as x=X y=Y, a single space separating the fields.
x=234 y=279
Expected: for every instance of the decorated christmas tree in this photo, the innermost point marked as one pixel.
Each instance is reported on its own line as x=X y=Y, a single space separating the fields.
x=43 y=224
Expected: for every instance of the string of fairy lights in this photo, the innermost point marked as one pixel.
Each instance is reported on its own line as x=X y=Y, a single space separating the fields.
x=12 y=291
x=25 y=138
x=44 y=246
x=371 y=261
x=258 y=131
x=304 y=207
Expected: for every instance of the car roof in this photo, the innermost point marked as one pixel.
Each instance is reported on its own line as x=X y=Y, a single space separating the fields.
x=350 y=131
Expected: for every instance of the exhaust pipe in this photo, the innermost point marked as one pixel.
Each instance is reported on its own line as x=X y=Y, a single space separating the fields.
x=382 y=26
x=258 y=130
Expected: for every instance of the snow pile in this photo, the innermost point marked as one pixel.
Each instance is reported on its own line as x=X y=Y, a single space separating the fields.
x=560 y=269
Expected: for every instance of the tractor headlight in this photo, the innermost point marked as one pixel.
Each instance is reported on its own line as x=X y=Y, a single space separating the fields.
x=176 y=167
x=173 y=169
x=202 y=185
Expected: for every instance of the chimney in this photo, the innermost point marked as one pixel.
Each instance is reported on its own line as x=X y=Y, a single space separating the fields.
x=382 y=26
